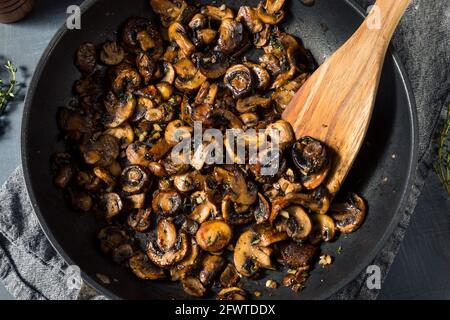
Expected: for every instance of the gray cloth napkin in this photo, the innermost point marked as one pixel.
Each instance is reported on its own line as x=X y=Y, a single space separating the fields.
x=31 y=269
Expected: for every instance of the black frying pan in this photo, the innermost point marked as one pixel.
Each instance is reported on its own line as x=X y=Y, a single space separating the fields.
x=382 y=173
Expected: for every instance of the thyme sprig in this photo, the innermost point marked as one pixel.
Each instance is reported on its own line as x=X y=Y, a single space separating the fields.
x=7 y=89
x=442 y=164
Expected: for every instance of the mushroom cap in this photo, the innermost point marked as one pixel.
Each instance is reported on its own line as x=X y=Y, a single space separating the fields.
x=214 y=235
x=233 y=293
x=298 y=225
x=349 y=215
x=167 y=259
x=143 y=268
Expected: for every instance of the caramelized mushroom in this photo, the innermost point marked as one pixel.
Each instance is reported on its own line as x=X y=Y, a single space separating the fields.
x=249 y=256
x=112 y=54
x=134 y=179
x=210 y=268
x=213 y=64
x=239 y=80
x=100 y=150
x=296 y=255
x=262 y=209
x=232 y=216
x=233 y=293
x=138 y=153
x=120 y=111
x=229 y=277
x=111 y=204
x=269 y=235
x=178 y=34
x=231 y=36
x=268 y=15
x=217 y=13
x=185 y=266
x=166 y=203
x=249 y=17
x=250 y=104
x=298 y=225
x=144 y=269
x=261 y=77
x=193 y=286
x=177 y=132
x=213 y=236
x=349 y=215
x=323 y=228
x=86 y=57
x=140 y=220
x=123 y=133
x=166 y=259
x=166 y=235
x=286 y=134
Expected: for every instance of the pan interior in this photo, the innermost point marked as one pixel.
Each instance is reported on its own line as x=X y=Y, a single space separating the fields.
x=381 y=173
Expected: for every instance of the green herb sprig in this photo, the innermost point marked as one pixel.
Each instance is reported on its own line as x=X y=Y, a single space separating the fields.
x=7 y=89
x=442 y=164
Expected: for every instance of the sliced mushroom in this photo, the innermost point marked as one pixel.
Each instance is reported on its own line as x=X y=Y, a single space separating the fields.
x=140 y=220
x=268 y=16
x=176 y=163
x=249 y=119
x=249 y=17
x=193 y=286
x=323 y=228
x=213 y=64
x=349 y=215
x=233 y=293
x=249 y=257
x=229 y=277
x=166 y=203
x=214 y=236
x=177 y=132
x=166 y=234
x=285 y=134
x=269 y=235
x=166 y=9
x=126 y=80
x=231 y=36
x=143 y=268
x=134 y=201
x=261 y=39
x=232 y=216
x=296 y=255
x=239 y=80
x=111 y=237
x=210 y=268
x=146 y=67
x=190 y=262
x=112 y=53
x=123 y=133
x=218 y=13
x=199 y=21
x=298 y=225
x=121 y=110
x=168 y=258
x=261 y=210
x=206 y=36
x=203 y=211
x=250 y=104
x=190 y=84
x=178 y=34
x=111 y=205
x=138 y=153
x=86 y=57
x=134 y=179
x=206 y=94
x=261 y=77
x=106 y=176
x=100 y=150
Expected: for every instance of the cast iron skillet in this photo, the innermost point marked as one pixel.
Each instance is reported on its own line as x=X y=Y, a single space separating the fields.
x=382 y=173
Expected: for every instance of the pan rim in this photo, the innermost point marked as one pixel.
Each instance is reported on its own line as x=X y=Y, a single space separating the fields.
x=412 y=165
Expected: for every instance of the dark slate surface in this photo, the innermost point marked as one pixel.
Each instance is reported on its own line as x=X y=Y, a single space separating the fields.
x=421 y=269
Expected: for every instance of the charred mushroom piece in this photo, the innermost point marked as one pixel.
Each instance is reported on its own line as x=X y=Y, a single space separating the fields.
x=231 y=216
x=190 y=84
x=233 y=293
x=261 y=39
x=134 y=179
x=101 y=150
x=214 y=236
x=111 y=205
x=260 y=76
x=268 y=235
x=111 y=237
x=86 y=57
x=218 y=13
x=178 y=34
x=206 y=36
x=138 y=153
x=268 y=15
x=134 y=201
x=146 y=67
x=199 y=21
x=210 y=268
x=250 y=104
x=207 y=94
x=144 y=269
x=249 y=119
x=183 y=268
x=177 y=132
x=249 y=17
x=106 y=176
x=123 y=133
x=166 y=235
x=311 y=157
x=166 y=203
x=298 y=225
x=63 y=176
x=239 y=80
x=167 y=10
x=112 y=53
x=249 y=256
x=204 y=210
x=285 y=136
x=231 y=36
x=167 y=259
x=127 y=80
x=349 y=215
x=121 y=110
x=193 y=286
x=229 y=277
x=213 y=64
x=296 y=255
x=140 y=220
x=323 y=228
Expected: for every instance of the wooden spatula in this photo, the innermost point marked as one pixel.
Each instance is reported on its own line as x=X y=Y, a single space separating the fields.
x=335 y=105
